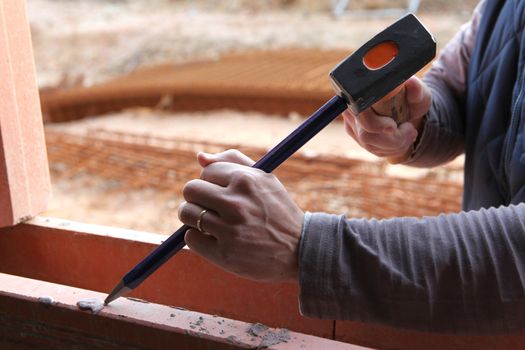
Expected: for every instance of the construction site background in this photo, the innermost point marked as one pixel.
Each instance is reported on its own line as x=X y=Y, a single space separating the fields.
x=122 y=173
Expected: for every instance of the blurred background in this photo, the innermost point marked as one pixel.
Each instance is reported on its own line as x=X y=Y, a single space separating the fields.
x=132 y=89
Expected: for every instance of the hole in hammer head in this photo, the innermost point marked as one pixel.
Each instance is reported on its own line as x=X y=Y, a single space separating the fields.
x=380 y=55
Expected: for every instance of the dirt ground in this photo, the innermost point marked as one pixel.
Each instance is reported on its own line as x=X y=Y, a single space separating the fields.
x=86 y=41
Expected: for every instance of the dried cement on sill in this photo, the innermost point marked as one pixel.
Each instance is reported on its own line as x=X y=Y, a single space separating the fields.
x=273 y=338
x=268 y=338
x=199 y=323
x=92 y=304
x=45 y=300
x=257 y=329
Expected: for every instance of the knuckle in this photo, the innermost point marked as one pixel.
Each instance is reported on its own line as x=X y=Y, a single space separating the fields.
x=243 y=180
x=185 y=214
x=206 y=171
x=230 y=155
x=236 y=213
x=236 y=156
x=189 y=188
x=234 y=153
x=181 y=212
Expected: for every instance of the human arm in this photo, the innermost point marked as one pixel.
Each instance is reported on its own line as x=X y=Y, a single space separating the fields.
x=460 y=273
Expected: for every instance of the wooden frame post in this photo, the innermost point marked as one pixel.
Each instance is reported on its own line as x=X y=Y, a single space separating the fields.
x=24 y=173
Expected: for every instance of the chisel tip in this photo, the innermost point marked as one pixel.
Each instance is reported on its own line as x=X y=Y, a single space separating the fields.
x=117 y=292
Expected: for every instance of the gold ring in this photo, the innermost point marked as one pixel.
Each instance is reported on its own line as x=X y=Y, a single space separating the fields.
x=199 y=220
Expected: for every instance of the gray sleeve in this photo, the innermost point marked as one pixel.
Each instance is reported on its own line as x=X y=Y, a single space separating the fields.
x=461 y=273
x=447 y=81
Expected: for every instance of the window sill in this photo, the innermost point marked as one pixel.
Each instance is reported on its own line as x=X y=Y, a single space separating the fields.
x=80 y=261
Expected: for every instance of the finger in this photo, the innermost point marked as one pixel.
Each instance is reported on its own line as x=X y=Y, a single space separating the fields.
x=388 y=153
x=231 y=156
x=418 y=97
x=405 y=135
x=372 y=122
x=220 y=173
x=189 y=215
x=392 y=93
x=350 y=131
x=349 y=121
x=416 y=90
x=206 y=194
x=201 y=243
x=352 y=128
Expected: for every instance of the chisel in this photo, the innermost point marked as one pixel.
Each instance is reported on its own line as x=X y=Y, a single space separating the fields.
x=381 y=65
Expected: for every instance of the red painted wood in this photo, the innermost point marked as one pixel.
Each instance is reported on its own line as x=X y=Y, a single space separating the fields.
x=28 y=323
x=66 y=253
x=95 y=258
x=24 y=174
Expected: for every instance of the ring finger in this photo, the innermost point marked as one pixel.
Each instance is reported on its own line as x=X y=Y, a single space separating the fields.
x=190 y=213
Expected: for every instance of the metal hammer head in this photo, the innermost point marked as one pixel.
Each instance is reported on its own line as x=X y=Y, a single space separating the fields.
x=383 y=63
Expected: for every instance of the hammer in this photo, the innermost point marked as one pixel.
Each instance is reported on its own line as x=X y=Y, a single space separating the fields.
x=378 y=67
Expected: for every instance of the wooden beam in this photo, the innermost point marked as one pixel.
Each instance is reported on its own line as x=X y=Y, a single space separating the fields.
x=24 y=175
x=38 y=315
x=96 y=257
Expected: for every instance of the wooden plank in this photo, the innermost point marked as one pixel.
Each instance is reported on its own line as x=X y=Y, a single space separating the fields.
x=95 y=257
x=24 y=175
x=42 y=315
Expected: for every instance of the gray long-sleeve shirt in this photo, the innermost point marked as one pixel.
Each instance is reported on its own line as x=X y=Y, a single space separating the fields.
x=461 y=272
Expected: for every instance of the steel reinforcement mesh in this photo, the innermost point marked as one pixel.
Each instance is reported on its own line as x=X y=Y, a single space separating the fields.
x=317 y=183
x=281 y=81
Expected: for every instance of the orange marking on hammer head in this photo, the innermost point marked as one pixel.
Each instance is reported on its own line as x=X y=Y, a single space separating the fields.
x=380 y=55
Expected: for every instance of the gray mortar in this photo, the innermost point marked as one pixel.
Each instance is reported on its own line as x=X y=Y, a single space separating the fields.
x=268 y=337
x=274 y=338
x=92 y=304
x=46 y=300
x=232 y=339
x=199 y=323
x=257 y=329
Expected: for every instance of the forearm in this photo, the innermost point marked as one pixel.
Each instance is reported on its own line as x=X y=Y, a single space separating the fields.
x=456 y=273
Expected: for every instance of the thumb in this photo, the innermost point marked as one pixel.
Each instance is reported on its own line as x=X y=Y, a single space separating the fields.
x=230 y=156
x=419 y=97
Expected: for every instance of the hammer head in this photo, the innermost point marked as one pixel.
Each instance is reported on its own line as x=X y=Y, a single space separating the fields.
x=383 y=63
